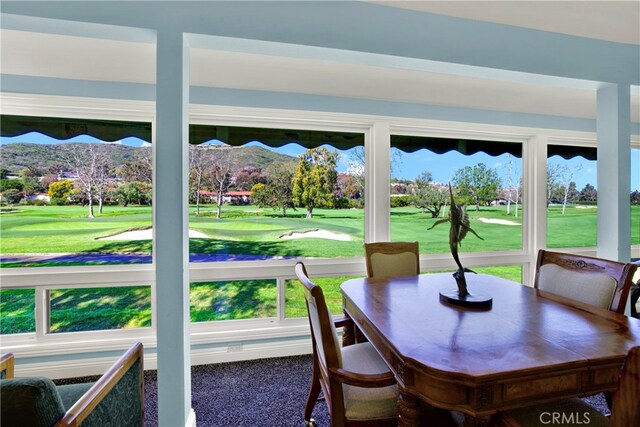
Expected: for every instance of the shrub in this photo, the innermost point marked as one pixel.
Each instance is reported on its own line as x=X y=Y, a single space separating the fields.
x=399 y=201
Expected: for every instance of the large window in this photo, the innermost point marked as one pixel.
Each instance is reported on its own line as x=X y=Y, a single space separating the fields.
x=486 y=175
x=572 y=197
x=77 y=201
x=259 y=194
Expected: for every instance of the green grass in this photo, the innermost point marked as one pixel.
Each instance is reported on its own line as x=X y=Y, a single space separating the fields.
x=241 y=230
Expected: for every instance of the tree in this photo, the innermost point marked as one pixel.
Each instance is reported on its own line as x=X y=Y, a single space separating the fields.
x=88 y=162
x=219 y=173
x=135 y=192
x=14 y=184
x=248 y=176
x=588 y=194
x=277 y=193
x=197 y=172
x=315 y=178
x=136 y=170
x=478 y=184
x=60 y=191
x=427 y=196
x=11 y=195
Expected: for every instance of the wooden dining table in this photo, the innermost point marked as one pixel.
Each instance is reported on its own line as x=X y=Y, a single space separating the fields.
x=529 y=347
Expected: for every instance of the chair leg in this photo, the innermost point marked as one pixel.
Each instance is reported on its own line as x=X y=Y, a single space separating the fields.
x=314 y=392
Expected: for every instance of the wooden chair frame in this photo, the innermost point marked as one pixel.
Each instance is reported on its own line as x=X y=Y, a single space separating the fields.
x=90 y=400
x=7 y=365
x=622 y=273
x=331 y=376
x=390 y=248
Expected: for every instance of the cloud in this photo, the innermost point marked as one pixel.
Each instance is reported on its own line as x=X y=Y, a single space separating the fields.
x=114 y=142
x=145 y=144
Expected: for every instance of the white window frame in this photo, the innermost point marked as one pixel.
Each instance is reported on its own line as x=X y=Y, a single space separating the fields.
x=376 y=130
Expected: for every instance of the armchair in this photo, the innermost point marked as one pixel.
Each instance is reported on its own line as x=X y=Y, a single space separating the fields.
x=358 y=387
x=117 y=398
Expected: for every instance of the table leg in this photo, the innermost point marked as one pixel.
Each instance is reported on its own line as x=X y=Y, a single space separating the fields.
x=470 y=421
x=408 y=410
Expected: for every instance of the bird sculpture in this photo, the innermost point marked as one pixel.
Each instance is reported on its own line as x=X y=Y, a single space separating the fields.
x=459 y=220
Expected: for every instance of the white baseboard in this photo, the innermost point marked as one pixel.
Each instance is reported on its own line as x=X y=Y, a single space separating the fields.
x=88 y=366
x=191 y=420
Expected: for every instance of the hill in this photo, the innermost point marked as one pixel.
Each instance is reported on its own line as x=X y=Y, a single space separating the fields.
x=17 y=156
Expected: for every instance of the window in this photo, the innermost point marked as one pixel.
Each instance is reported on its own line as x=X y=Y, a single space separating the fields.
x=295 y=301
x=572 y=197
x=486 y=175
x=258 y=194
x=17 y=307
x=93 y=309
x=79 y=201
x=233 y=299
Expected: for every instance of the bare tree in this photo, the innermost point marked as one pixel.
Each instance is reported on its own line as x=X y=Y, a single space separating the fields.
x=559 y=181
x=198 y=165
x=88 y=161
x=219 y=173
x=513 y=191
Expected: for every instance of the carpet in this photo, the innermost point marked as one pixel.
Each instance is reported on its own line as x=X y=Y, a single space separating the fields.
x=264 y=392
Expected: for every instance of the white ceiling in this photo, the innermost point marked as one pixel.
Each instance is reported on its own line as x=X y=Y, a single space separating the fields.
x=617 y=21
x=49 y=55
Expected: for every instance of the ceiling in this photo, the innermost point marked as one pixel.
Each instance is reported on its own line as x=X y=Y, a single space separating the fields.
x=72 y=57
x=617 y=21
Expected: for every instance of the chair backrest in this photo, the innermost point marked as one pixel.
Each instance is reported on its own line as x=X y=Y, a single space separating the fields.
x=625 y=409
x=386 y=259
x=596 y=281
x=323 y=330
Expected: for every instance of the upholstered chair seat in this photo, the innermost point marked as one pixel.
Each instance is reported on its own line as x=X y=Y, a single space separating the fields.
x=366 y=403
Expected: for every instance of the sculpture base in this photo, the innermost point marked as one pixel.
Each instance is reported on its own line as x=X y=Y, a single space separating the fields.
x=452 y=296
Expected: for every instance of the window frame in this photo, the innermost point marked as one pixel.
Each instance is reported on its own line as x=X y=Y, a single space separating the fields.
x=377 y=131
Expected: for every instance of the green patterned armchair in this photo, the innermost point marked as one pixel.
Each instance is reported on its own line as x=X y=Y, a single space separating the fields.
x=116 y=399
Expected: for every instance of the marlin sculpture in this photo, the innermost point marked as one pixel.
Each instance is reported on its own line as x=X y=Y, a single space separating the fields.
x=459 y=220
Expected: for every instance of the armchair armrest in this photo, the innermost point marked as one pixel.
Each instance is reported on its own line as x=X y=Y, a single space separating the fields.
x=6 y=366
x=122 y=407
x=363 y=380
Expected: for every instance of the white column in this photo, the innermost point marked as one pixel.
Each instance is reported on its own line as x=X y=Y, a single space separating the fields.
x=170 y=225
x=614 y=169
x=534 y=210
x=377 y=158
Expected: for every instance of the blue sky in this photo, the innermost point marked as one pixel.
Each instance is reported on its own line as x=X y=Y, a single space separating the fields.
x=406 y=165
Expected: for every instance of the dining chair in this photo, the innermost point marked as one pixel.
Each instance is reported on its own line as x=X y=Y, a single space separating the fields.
x=635 y=291
x=358 y=387
x=625 y=411
x=595 y=281
x=385 y=259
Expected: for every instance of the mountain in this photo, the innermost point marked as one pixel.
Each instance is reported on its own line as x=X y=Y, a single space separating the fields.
x=17 y=156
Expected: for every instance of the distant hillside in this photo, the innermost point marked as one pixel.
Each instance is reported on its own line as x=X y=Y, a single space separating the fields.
x=17 y=156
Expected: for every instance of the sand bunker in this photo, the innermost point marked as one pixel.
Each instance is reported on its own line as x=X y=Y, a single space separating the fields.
x=146 y=235
x=498 y=221
x=321 y=234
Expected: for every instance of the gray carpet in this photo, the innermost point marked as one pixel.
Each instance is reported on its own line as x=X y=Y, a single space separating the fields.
x=265 y=392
